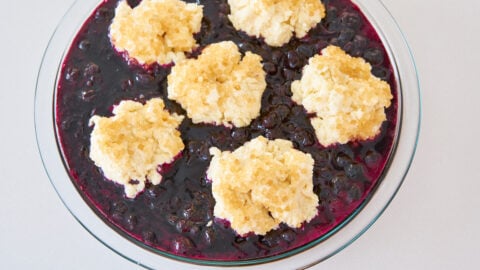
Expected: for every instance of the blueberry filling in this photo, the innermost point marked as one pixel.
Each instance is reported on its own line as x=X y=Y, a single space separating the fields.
x=176 y=216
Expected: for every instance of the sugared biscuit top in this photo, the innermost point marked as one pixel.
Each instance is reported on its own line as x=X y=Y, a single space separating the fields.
x=156 y=30
x=347 y=100
x=261 y=184
x=132 y=144
x=219 y=87
x=276 y=20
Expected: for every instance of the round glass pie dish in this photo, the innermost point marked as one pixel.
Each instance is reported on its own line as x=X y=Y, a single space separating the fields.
x=402 y=153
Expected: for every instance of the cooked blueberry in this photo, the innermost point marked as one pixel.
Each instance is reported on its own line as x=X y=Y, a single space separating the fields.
x=294 y=60
x=256 y=126
x=154 y=191
x=335 y=25
x=103 y=14
x=209 y=213
x=240 y=239
x=175 y=202
x=84 y=45
x=381 y=73
x=222 y=17
x=206 y=32
x=289 y=128
x=159 y=72
x=325 y=193
x=273 y=134
x=282 y=90
x=126 y=84
x=270 y=120
x=66 y=125
x=339 y=183
x=306 y=50
x=342 y=159
x=181 y=244
x=172 y=219
x=288 y=235
x=353 y=170
x=332 y=13
x=360 y=42
x=208 y=235
x=374 y=56
x=240 y=134
x=149 y=237
x=320 y=45
x=144 y=78
x=245 y=47
x=141 y=98
x=182 y=225
x=270 y=240
x=189 y=211
x=224 y=8
x=282 y=111
x=336 y=205
x=346 y=35
x=220 y=138
x=199 y=149
x=88 y=95
x=85 y=151
x=297 y=110
x=91 y=69
x=372 y=159
x=277 y=57
x=72 y=74
x=355 y=192
x=336 y=42
x=204 y=182
x=321 y=158
x=194 y=230
x=90 y=82
x=323 y=173
x=348 y=47
x=131 y=220
x=270 y=68
x=317 y=188
x=167 y=183
x=289 y=74
x=351 y=20
x=304 y=138
x=119 y=207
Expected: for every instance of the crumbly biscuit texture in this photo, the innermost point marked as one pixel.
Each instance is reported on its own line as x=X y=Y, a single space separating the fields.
x=156 y=30
x=348 y=101
x=261 y=184
x=219 y=87
x=276 y=20
x=132 y=144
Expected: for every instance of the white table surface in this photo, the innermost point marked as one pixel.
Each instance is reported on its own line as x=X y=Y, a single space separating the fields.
x=433 y=223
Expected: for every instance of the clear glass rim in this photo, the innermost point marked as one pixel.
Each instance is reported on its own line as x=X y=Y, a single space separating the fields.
x=344 y=234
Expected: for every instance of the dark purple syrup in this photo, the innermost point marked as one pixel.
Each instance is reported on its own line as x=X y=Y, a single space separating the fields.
x=172 y=217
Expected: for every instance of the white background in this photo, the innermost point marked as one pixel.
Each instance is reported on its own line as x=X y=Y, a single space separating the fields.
x=433 y=223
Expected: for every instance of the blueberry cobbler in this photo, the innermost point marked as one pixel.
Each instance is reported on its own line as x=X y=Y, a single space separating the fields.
x=226 y=130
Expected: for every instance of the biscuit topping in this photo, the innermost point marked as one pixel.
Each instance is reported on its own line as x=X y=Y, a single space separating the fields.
x=156 y=30
x=219 y=87
x=130 y=145
x=276 y=20
x=349 y=102
x=261 y=184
